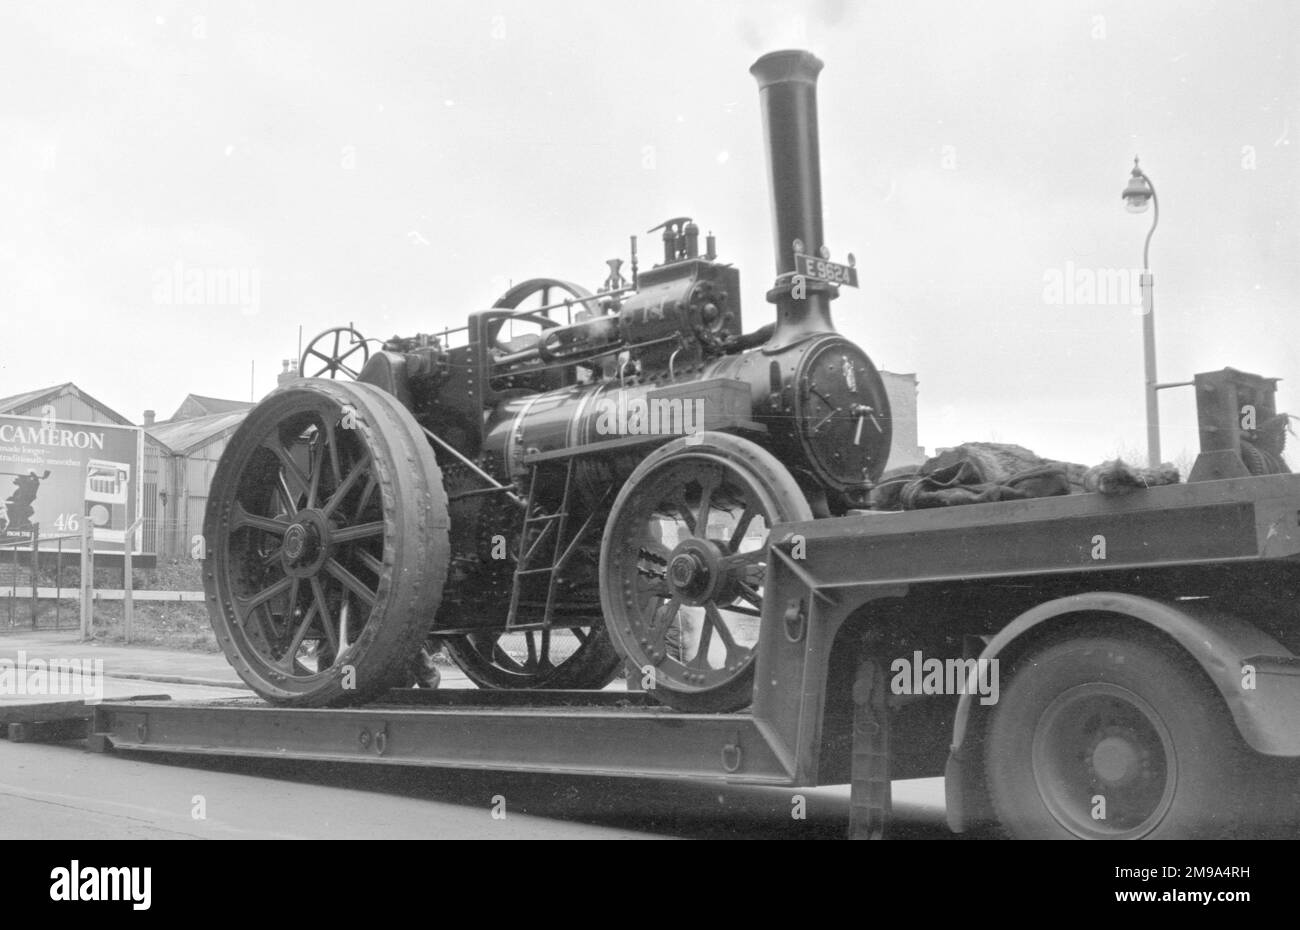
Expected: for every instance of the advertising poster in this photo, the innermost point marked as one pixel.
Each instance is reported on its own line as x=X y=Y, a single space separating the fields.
x=56 y=474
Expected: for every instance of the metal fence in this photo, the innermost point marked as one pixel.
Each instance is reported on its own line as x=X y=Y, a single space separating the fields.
x=31 y=542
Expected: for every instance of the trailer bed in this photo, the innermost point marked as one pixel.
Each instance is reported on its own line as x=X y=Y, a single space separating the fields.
x=560 y=732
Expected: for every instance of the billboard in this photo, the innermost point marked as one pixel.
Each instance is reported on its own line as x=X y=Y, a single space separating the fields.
x=57 y=474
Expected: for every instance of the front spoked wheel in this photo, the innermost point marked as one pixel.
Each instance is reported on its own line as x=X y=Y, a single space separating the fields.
x=683 y=565
x=327 y=549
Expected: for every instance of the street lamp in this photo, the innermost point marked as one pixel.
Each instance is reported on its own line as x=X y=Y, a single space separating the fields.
x=1138 y=194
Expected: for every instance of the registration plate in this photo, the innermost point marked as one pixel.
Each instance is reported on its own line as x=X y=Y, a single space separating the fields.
x=819 y=268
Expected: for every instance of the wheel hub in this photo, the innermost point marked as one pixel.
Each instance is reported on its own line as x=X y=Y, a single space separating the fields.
x=306 y=543
x=1116 y=760
x=1099 y=742
x=687 y=570
x=694 y=572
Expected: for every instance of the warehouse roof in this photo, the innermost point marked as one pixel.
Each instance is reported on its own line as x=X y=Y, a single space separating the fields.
x=183 y=436
x=29 y=399
x=196 y=405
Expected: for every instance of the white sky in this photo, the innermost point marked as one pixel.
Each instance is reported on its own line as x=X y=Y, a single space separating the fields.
x=395 y=164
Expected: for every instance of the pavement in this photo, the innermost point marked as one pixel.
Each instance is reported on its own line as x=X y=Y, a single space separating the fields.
x=132 y=670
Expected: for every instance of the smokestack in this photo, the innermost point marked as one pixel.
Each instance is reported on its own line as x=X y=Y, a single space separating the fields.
x=787 y=88
x=149 y=416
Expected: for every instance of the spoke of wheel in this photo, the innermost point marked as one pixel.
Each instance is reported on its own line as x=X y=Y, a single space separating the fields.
x=362 y=501
x=282 y=488
x=684 y=513
x=341 y=491
x=544 y=658
x=737 y=560
x=701 y=657
x=323 y=608
x=738 y=534
x=316 y=462
x=300 y=633
x=335 y=464
x=351 y=582
x=261 y=597
x=750 y=593
x=242 y=518
x=356 y=348
x=707 y=487
x=580 y=635
x=499 y=657
x=370 y=562
x=290 y=468
x=715 y=620
x=531 y=664
x=360 y=531
x=747 y=611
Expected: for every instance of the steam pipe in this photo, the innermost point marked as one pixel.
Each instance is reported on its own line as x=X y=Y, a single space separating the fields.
x=787 y=87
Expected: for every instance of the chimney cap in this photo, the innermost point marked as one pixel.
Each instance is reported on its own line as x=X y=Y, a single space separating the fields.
x=791 y=65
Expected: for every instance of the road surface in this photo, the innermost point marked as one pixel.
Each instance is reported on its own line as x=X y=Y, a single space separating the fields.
x=63 y=792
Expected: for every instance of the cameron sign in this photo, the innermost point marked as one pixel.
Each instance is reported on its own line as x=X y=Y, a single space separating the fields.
x=50 y=436
x=56 y=475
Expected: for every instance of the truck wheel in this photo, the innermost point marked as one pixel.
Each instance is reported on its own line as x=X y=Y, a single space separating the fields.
x=685 y=546
x=326 y=538
x=1102 y=737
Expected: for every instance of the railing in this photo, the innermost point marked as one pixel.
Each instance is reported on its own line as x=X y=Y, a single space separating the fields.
x=86 y=593
x=33 y=541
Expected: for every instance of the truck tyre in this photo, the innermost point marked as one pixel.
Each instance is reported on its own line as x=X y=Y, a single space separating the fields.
x=1105 y=737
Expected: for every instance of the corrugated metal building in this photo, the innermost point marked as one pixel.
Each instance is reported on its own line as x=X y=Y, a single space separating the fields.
x=187 y=451
x=68 y=402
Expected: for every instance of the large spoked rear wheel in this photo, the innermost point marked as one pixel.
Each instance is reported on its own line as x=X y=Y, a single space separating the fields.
x=1105 y=737
x=327 y=550
x=559 y=658
x=682 y=566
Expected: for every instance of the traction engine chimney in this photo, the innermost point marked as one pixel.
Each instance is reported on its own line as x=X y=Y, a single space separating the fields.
x=787 y=82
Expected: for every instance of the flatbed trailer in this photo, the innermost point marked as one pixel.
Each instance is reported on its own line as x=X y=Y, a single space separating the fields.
x=1205 y=572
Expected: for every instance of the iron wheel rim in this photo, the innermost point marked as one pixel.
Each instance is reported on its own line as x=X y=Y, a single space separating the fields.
x=300 y=555
x=720 y=575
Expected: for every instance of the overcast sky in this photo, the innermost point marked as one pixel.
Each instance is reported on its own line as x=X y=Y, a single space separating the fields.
x=397 y=164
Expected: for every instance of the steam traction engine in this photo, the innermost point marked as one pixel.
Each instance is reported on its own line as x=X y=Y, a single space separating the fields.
x=570 y=482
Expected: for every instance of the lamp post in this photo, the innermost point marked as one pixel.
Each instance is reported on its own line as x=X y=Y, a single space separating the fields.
x=1138 y=194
